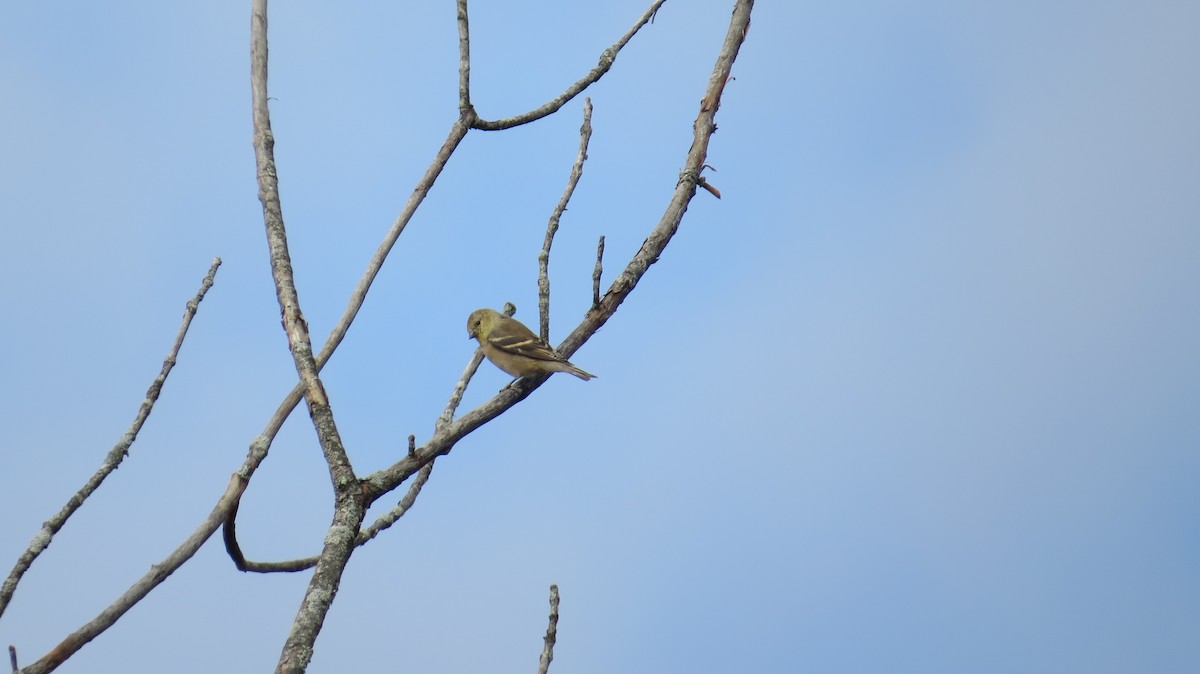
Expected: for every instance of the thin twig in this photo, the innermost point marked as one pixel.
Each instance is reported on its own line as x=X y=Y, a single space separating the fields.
x=115 y=456
x=597 y=272
x=702 y=182
x=585 y=136
x=365 y=536
x=410 y=498
x=685 y=189
x=12 y=656
x=607 y=58
x=551 y=633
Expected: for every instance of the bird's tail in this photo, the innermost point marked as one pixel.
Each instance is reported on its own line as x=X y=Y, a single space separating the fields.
x=579 y=373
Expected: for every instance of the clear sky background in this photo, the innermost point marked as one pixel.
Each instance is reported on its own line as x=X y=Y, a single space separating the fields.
x=921 y=393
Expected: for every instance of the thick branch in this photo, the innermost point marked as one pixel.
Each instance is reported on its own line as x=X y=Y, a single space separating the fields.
x=464 y=60
x=262 y=443
x=349 y=511
x=115 y=456
x=458 y=131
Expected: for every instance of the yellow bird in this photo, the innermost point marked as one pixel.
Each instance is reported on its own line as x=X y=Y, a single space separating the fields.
x=514 y=348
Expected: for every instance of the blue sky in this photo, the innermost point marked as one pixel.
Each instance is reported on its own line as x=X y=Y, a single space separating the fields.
x=919 y=394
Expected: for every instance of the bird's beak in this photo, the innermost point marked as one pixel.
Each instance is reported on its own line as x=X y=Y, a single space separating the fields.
x=471 y=334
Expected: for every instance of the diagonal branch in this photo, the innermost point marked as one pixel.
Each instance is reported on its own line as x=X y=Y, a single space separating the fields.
x=261 y=444
x=607 y=58
x=443 y=441
x=138 y=591
x=654 y=245
x=114 y=457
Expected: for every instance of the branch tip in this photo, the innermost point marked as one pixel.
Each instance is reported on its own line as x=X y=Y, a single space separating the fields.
x=551 y=633
x=597 y=272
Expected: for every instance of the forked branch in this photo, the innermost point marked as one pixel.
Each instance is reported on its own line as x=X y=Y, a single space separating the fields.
x=607 y=58
x=654 y=245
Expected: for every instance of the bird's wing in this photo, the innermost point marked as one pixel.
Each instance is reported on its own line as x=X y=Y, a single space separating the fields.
x=520 y=341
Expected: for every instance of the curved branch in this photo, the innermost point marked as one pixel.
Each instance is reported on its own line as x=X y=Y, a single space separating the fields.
x=114 y=457
x=385 y=521
x=262 y=444
x=607 y=58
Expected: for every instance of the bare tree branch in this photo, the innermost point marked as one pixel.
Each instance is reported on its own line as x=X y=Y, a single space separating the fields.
x=349 y=510
x=607 y=58
x=551 y=633
x=464 y=61
x=597 y=272
x=585 y=136
x=702 y=182
x=392 y=516
x=467 y=120
x=114 y=457
x=351 y=502
x=138 y=591
x=704 y=126
x=363 y=537
x=261 y=444
x=703 y=129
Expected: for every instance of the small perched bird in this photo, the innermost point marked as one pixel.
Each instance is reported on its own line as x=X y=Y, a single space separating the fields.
x=514 y=348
